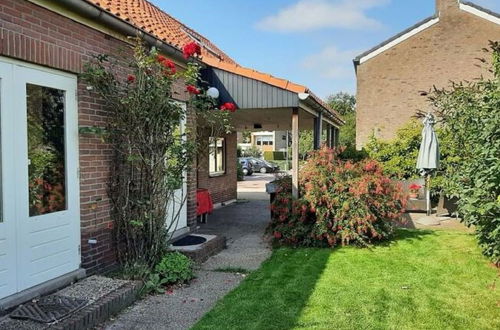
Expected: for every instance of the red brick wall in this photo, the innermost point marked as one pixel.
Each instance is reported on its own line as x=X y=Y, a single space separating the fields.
x=222 y=188
x=37 y=35
x=389 y=85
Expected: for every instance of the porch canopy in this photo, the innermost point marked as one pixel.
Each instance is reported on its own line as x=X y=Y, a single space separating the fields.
x=267 y=103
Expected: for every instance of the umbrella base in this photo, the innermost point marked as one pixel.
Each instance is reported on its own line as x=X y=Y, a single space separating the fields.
x=428 y=220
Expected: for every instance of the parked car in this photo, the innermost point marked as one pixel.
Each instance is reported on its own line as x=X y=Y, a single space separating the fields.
x=263 y=166
x=246 y=166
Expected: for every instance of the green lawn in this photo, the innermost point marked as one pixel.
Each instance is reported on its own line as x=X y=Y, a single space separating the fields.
x=422 y=280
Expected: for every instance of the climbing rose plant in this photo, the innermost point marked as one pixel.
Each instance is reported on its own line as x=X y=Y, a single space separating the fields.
x=151 y=152
x=341 y=203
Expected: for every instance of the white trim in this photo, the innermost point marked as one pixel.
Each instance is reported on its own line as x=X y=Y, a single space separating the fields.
x=399 y=40
x=480 y=13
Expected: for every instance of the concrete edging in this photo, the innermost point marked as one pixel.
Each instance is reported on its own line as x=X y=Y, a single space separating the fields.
x=101 y=310
x=41 y=289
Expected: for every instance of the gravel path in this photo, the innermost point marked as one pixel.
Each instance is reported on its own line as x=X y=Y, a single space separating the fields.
x=243 y=224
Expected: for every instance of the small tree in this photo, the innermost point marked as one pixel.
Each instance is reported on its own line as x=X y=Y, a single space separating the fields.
x=345 y=104
x=470 y=113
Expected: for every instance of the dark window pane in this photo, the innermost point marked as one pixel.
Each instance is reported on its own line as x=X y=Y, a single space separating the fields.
x=46 y=170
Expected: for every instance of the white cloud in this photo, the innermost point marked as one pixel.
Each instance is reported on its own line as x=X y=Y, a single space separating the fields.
x=331 y=63
x=308 y=15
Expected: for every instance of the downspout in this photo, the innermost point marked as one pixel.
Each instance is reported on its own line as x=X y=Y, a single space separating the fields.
x=99 y=15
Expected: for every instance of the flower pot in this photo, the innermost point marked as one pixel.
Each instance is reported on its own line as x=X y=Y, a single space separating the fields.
x=413 y=195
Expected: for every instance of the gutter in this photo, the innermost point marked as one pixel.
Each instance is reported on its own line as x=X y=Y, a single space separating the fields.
x=103 y=17
x=310 y=101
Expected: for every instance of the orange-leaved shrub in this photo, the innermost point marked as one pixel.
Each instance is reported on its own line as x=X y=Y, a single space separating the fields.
x=341 y=203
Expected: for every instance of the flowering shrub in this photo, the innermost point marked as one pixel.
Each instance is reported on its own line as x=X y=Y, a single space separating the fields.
x=293 y=221
x=341 y=203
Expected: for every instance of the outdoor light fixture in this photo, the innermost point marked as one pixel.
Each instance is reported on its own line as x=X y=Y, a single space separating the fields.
x=213 y=92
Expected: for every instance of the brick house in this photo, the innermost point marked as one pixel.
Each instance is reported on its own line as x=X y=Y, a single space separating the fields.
x=43 y=46
x=440 y=49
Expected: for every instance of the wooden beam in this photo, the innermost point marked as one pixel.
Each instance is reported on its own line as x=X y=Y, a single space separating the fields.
x=295 y=152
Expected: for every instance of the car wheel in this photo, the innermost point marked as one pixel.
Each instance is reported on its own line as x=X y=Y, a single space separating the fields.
x=245 y=171
x=263 y=170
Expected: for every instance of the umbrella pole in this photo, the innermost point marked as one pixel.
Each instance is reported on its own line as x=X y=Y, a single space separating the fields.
x=428 y=193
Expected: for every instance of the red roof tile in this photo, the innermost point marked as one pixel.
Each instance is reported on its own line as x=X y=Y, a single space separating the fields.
x=151 y=19
x=144 y=15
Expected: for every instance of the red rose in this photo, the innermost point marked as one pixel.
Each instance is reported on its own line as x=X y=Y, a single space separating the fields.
x=277 y=235
x=160 y=58
x=191 y=49
x=192 y=90
x=171 y=69
x=231 y=107
x=130 y=78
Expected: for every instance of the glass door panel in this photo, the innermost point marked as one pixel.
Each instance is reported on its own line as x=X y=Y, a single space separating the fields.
x=46 y=149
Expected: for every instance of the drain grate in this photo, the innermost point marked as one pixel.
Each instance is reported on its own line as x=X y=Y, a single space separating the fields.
x=190 y=240
x=48 y=309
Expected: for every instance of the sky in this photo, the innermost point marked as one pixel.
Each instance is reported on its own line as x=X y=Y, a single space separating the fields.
x=309 y=42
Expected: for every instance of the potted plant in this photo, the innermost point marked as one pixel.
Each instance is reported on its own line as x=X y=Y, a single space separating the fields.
x=414 y=189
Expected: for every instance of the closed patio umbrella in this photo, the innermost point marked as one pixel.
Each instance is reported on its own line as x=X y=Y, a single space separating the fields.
x=428 y=156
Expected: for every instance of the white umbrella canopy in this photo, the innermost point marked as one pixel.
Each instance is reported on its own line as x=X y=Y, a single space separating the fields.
x=428 y=160
x=428 y=156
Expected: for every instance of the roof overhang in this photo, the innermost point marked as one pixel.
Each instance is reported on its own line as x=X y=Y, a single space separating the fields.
x=474 y=9
x=249 y=93
x=465 y=6
x=99 y=15
x=397 y=39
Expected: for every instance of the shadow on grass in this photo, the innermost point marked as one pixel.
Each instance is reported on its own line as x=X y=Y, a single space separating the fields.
x=272 y=297
x=403 y=234
x=275 y=296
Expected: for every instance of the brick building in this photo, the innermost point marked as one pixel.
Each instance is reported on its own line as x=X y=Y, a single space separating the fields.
x=43 y=46
x=440 y=49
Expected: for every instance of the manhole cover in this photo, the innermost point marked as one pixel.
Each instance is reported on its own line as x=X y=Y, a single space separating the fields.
x=48 y=309
x=190 y=240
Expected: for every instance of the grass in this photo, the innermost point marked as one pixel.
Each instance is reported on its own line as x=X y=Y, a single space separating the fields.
x=422 y=280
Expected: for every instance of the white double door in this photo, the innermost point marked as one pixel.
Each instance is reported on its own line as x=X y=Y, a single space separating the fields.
x=39 y=197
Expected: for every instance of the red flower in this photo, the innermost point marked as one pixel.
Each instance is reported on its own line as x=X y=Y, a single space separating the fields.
x=414 y=187
x=171 y=69
x=130 y=78
x=160 y=58
x=231 y=107
x=370 y=166
x=192 y=90
x=191 y=49
x=277 y=235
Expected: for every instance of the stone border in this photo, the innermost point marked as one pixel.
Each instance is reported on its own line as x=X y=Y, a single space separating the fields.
x=41 y=289
x=101 y=310
x=205 y=250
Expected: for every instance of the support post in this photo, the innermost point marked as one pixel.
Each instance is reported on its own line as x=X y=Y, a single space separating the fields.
x=295 y=152
x=329 y=136
x=318 y=122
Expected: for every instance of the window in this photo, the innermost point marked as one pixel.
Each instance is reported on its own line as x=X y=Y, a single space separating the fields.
x=264 y=140
x=216 y=156
x=46 y=150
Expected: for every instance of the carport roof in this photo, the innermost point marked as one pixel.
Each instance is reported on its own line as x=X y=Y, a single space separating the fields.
x=271 y=81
